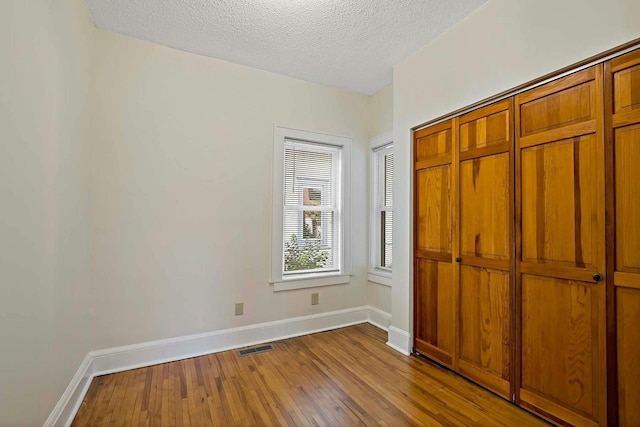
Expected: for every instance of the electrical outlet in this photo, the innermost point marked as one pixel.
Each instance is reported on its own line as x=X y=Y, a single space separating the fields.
x=239 y=308
x=315 y=298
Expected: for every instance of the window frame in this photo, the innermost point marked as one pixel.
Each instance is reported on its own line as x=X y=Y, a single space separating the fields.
x=289 y=281
x=322 y=185
x=376 y=273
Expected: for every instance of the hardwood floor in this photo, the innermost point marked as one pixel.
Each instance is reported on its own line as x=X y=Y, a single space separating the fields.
x=342 y=377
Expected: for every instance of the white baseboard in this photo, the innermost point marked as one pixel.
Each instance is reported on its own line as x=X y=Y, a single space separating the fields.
x=379 y=318
x=72 y=397
x=120 y=359
x=399 y=340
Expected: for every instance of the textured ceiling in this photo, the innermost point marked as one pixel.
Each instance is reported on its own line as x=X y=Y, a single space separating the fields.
x=351 y=44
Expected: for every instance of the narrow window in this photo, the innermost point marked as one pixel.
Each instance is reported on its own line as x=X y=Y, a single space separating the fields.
x=311 y=208
x=310 y=240
x=381 y=227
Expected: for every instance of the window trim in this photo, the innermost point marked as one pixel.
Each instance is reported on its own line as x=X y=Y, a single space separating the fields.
x=283 y=282
x=375 y=274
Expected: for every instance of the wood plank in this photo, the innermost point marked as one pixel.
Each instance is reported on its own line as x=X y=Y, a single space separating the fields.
x=626 y=280
x=558 y=271
x=485 y=151
x=432 y=163
x=560 y=413
x=495 y=264
x=485 y=378
x=626 y=118
x=342 y=377
x=434 y=256
x=577 y=129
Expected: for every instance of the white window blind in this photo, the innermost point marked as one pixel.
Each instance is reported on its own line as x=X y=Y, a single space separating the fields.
x=311 y=208
x=383 y=176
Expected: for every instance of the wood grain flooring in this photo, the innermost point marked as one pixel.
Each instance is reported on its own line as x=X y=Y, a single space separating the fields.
x=342 y=377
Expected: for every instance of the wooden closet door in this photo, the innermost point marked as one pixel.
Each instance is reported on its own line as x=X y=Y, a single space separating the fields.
x=623 y=127
x=560 y=255
x=434 y=311
x=486 y=243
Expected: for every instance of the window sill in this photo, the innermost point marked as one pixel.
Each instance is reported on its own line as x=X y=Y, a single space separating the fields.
x=380 y=277
x=312 y=281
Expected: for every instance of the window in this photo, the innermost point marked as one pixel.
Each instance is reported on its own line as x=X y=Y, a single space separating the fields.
x=381 y=223
x=310 y=220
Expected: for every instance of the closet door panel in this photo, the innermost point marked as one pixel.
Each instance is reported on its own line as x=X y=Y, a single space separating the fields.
x=434 y=143
x=434 y=334
x=560 y=256
x=624 y=116
x=628 y=343
x=559 y=199
x=486 y=327
x=485 y=206
x=550 y=112
x=485 y=128
x=558 y=346
x=433 y=232
x=627 y=185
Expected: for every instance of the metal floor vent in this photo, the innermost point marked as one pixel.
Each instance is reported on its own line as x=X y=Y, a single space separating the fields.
x=254 y=350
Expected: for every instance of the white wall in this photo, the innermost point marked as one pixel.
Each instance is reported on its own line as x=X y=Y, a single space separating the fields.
x=380 y=121
x=381 y=111
x=181 y=190
x=45 y=246
x=502 y=44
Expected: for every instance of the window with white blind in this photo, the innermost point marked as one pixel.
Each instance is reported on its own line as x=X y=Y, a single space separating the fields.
x=310 y=226
x=381 y=234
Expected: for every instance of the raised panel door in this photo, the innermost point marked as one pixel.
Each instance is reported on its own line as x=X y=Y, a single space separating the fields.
x=560 y=255
x=485 y=336
x=623 y=115
x=434 y=292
